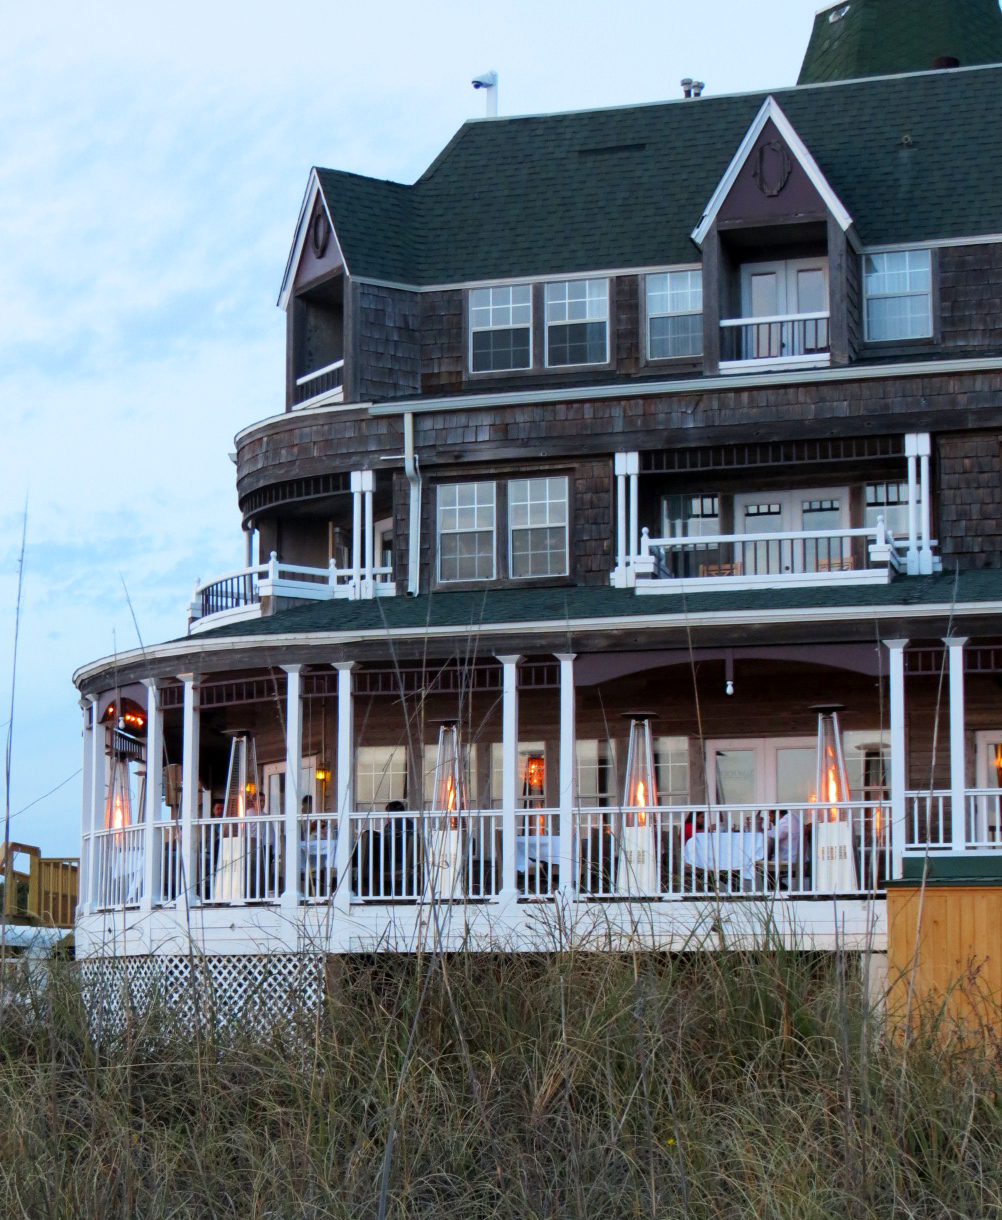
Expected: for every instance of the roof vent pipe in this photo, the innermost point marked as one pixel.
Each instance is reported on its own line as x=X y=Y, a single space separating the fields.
x=697 y=88
x=945 y=61
x=489 y=83
x=692 y=88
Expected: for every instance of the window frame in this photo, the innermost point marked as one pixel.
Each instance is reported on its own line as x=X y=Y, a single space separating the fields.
x=545 y=478
x=650 y=315
x=459 y=580
x=472 y=330
x=578 y=279
x=930 y=335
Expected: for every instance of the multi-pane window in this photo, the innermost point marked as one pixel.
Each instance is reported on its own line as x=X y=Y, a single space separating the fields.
x=537 y=516
x=674 y=314
x=380 y=776
x=690 y=516
x=898 y=291
x=598 y=784
x=890 y=501
x=671 y=764
x=466 y=544
x=577 y=322
x=500 y=328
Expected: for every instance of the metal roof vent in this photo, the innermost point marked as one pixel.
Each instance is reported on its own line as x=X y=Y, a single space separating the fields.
x=838 y=13
x=692 y=88
x=945 y=61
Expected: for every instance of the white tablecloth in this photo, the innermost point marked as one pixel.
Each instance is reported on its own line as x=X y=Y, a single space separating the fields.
x=730 y=851
x=536 y=849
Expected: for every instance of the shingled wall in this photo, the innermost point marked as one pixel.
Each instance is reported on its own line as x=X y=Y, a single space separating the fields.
x=389 y=342
x=970 y=296
x=970 y=499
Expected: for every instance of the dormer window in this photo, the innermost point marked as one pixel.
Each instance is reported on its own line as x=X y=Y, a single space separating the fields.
x=674 y=314
x=577 y=322
x=897 y=286
x=500 y=328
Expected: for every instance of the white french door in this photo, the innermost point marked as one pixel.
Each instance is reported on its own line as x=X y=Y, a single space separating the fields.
x=781 y=291
x=819 y=510
x=761 y=771
x=273 y=777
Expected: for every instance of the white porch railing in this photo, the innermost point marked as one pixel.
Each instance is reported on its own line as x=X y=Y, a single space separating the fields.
x=409 y=857
x=412 y=856
x=319 y=386
x=239 y=860
x=794 y=556
x=783 y=340
x=238 y=595
x=930 y=820
x=118 y=867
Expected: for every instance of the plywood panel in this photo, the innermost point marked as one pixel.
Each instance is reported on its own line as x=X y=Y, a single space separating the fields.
x=944 y=947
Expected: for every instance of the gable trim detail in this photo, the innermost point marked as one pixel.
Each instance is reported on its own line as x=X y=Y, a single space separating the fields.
x=313 y=189
x=771 y=110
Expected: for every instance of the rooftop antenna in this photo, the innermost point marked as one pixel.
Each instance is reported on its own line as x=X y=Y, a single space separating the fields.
x=489 y=83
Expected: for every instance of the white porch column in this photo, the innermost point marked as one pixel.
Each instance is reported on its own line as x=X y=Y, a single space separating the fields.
x=345 y=782
x=619 y=467
x=899 y=774
x=924 y=447
x=152 y=841
x=568 y=786
x=98 y=775
x=86 y=807
x=368 y=487
x=633 y=470
x=356 y=532
x=509 y=773
x=248 y=548
x=911 y=453
x=293 y=779
x=189 y=786
x=958 y=761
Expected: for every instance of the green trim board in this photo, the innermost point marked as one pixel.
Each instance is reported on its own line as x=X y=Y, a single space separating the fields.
x=603 y=190
x=968 y=868
x=483 y=608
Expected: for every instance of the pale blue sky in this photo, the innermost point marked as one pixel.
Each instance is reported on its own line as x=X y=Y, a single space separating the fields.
x=152 y=163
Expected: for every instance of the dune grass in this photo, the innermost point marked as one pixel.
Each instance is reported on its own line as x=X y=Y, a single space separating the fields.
x=578 y=1084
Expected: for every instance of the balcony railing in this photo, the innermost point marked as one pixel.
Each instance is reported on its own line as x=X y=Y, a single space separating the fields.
x=238 y=595
x=795 y=556
x=322 y=385
x=930 y=820
x=119 y=867
x=783 y=340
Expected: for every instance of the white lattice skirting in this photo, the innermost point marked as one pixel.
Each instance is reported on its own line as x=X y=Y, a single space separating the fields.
x=256 y=992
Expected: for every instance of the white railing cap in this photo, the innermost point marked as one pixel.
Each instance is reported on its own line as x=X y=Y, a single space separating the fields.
x=772 y=319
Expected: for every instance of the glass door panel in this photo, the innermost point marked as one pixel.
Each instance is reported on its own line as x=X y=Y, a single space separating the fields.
x=737 y=776
x=765 y=516
x=796 y=774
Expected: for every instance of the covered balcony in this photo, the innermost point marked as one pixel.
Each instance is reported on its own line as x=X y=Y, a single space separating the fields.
x=759 y=516
x=539 y=804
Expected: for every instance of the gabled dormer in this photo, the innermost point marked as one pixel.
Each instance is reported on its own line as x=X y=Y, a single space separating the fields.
x=777 y=276
x=314 y=297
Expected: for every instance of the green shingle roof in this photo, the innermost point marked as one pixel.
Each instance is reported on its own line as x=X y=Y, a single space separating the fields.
x=880 y=37
x=622 y=188
x=495 y=607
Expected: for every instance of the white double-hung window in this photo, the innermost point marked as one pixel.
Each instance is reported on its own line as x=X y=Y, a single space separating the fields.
x=577 y=322
x=674 y=314
x=466 y=531
x=537 y=521
x=500 y=328
x=897 y=288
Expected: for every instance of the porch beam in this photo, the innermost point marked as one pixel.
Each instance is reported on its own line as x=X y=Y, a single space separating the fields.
x=958 y=760
x=568 y=882
x=896 y=652
x=293 y=775
x=509 y=774
x=189 y=784
x=345 y=783
x=154 y=790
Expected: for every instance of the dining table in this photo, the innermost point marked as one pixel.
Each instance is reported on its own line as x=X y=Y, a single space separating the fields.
x=726 y=851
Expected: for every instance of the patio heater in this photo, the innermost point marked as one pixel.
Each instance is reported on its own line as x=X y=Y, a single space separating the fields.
x=118 y=807
x=637 y=864
x=834 y=859
x=446 y=829
x=224 y=847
